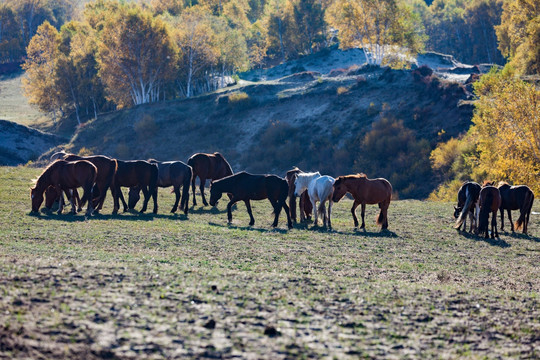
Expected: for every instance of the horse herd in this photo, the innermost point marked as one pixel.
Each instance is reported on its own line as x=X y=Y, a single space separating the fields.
x=96 y=174
x=477 y=202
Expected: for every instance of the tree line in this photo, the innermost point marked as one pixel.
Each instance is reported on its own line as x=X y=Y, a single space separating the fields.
x=119 y=54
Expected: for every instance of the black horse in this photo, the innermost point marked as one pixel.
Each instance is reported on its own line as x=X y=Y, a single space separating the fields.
x=467 y=202
x=136 y=173
x=520 y=198
x=170 y=173
x=245 y=187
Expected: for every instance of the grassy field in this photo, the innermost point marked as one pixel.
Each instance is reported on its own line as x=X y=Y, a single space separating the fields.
x=14 y=105
x=167 y=286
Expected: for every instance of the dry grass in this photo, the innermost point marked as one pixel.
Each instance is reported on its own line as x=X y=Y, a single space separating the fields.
x=167 y=286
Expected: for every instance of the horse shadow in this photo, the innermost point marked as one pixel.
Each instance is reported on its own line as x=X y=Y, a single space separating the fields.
x=250 y=228
x=378 y=234
x=203 y=210
x=493 y=242
x=127 y=216
x=522 y=236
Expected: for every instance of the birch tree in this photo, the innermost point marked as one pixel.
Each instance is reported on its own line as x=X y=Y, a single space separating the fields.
x=136 y=57
x=376 y=26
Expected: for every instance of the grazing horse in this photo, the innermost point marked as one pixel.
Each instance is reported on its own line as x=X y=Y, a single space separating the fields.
x=490 y=202
x=207 y=166
x=467 y=205
x=245 y=187
x=518 y=197
x=305 y=205
x=136 y=173
x=319 y=188
x=365 y=191
x=106 y=170
x=170 y=173
x=64 y=176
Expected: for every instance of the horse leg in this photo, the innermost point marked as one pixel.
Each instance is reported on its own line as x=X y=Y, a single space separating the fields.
x=353 y=212
x=494 y=225
x=278 y=205
x=71 y=198
x=115 y=190
x=61 y=201
x=287 y=212
x=229 y=210
x=193 y=188
x=177 y=193
x=330 y=213
x=322 y=211
x=315 y=215
x=251 y=218
x=146 y=193
x=201 y=188
x=502 y=219
x=510 y=218
x=363 y=215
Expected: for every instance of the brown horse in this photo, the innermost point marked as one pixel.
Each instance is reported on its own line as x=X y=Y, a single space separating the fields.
x=64 y=176
x=365 y=191
x=245 y=187
x=106 y=169
x=136 y=173
x=518 y=197
x=490 y=202
x=207 y=166
x=170 y=173
x=306 y=208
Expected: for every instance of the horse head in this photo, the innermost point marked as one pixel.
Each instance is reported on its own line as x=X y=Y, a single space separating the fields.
x=457 y=211
x=37 y=199
x=215 y=195
x=340 y=189
x=134 y=196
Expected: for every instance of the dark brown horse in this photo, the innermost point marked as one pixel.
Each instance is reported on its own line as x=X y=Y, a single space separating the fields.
x=245 y=187
x=170 y=173
x=106 y=170
x=365 y=191
x=467 y=205
x=64 y=176
x=520 y=198
x=490 y=202
x=207 y=166
x=136 y=173
x=306 y=208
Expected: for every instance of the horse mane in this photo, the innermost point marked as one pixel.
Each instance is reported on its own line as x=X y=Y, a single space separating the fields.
x=307 y=174
x=487 y=183
x=35 y=181
x=503 y=183
x=360 y=175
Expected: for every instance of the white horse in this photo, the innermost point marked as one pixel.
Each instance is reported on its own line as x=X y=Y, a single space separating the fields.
x=320 y=188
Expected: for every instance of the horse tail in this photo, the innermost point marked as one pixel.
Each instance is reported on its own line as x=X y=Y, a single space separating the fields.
x=483 y=218
x=89 y=186
x=465 y=210
x=154 y=173
x=525 y=209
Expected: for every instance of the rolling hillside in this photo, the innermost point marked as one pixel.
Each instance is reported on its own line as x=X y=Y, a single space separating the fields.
x=311 y=120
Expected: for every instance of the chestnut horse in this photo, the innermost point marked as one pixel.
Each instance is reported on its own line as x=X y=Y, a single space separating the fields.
x=207 y=166
x=64 y=176
x=365 y=191
x=135 y=173
x=490 y=202
x=170 y=173
x=520 y=198
x=467 y=205
x=245 y=187
x=106 y=169
x=305 y=205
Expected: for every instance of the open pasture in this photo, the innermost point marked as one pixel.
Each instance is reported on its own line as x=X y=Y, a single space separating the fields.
x=166 y=286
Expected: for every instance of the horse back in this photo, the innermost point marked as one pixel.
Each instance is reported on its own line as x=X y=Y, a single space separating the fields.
x=74 y=174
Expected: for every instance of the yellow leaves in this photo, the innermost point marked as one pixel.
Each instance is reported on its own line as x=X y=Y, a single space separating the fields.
x=507 y=128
